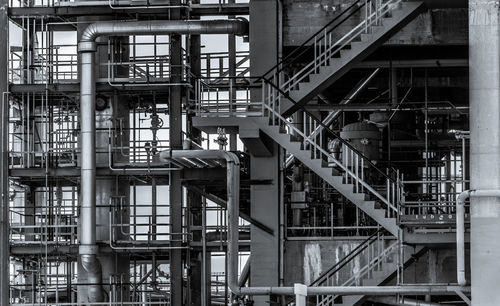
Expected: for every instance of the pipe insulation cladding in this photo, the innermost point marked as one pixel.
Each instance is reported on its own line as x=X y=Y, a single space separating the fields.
x=87 y=47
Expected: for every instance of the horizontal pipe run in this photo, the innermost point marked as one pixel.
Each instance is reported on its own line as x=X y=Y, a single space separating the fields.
x=357 y=290
x=157 y=27
x=403 y=301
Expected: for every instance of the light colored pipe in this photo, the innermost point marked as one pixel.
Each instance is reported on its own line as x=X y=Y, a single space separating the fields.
x=460 y=212
x=400 y=301
x=87 y=47
x=88 y=247
x=127 y=28
x=245 y=273
x=233 y=184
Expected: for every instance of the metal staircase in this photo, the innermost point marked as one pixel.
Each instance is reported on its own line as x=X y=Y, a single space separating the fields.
x=379 y=261
x=348 y=174
x=333 y=58
x=351 y=173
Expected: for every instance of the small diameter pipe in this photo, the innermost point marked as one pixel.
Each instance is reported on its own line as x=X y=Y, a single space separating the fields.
x=233 y=184
x=460 y=212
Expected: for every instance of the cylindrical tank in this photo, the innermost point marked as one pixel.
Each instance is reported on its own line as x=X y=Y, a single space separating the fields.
x=364 y=136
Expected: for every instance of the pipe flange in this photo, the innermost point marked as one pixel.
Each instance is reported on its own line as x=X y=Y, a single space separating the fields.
x=88 y=249
x=87 y=46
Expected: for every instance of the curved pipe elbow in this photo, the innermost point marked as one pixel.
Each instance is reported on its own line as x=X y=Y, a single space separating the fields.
x=125 y=28
x=90 y=34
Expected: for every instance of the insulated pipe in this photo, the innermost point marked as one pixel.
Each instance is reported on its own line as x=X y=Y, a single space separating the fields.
x=400 y=301
x=88 y=248
x=233 y=184
x=87 y=47
x=127 y=28
x=460 y=212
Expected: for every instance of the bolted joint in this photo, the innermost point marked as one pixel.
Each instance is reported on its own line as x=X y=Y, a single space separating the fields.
x=87 y=46
x=88 y=249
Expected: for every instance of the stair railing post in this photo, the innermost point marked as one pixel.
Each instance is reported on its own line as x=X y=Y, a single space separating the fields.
x=387 y=192
x=325 y=50
x=366 y=16
x=315 y=53
x=304 y=128
x=263 y=93
x=230 y=97
x=357 y=172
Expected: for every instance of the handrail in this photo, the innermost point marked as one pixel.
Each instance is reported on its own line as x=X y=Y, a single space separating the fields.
x=338 y=163
x=331 y=49
x=327 y=128
x=316 y=34
x=361 y=273
x=356 y=251
x=268 y=103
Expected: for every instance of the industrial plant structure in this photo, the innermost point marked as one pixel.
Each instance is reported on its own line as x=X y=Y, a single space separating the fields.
x=250 y=152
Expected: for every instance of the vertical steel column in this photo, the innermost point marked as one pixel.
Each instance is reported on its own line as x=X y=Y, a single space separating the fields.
x=199 y=280
x=175 y=188
x=484 y=84
x=231 y=48
x=4 y=162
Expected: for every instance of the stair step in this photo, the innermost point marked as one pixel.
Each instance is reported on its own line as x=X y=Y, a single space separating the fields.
x=366 y=37
x=295 y=138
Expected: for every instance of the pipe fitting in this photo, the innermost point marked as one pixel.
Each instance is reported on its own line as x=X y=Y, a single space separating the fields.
x=93 y=268
x=86 y=249
x=87 y=46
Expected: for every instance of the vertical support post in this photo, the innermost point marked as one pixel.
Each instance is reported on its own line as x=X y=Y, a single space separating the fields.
x=175 y=187
x=484 y=96
x=231 y=47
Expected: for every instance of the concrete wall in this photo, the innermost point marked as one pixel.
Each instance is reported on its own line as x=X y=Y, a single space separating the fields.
x=305 y=260
x=302 y=18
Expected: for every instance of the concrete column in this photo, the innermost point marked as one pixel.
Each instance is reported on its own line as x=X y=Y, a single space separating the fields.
x=484 y=78
x=265 y=47
x=265 y=207
x=4 y=161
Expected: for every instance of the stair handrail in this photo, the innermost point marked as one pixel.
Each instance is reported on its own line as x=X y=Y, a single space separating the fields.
x=345 y=168
x=325 y=55
x=292 y=56
x=361 y=273
x=366 y=268
x=320 y=122
x=346 y=259
x=271 y=94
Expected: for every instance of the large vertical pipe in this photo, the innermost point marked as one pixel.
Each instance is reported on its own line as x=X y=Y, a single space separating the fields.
x=484 y=84
x=88 y=248
x=87 y=125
